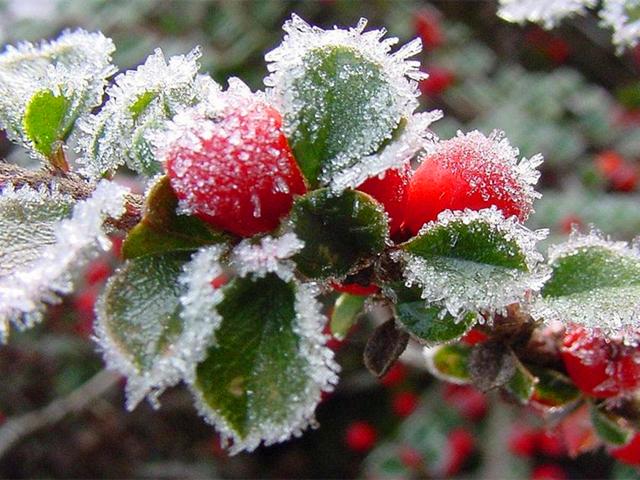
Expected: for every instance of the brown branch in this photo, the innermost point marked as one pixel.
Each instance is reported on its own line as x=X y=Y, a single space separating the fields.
x=71 y=184
x=16 y=428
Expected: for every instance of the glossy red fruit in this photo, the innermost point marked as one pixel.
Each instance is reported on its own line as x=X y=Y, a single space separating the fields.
x=629 y=453
x=460 y=444
x=599 y=367
x=237 y=171
x=548 y=471
x=404 y=403
x=390 y=189
x=470 y=171
x=360 y=436
x=438 y=81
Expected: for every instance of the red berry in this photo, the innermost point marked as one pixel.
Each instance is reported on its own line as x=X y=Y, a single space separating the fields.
x=474 y=336
x=97 y=272
x=236 y=171
x=460 y=444
x=355 y=288
x=629 y=453
x=428 y=28
x=523 y=441
x=468 y=401
x=548 y=471
x=600 y=367
x=557 y=50
x=608 y=161
x=390 y=189
x=551 y=444
x=395 y=376
x=116 y=246
x=439 y=80
x=219 y=281
x=410 y=457
x=360 y=436
x=568 y=223
x=624 y=179
x=470 y=171
x=404 y=403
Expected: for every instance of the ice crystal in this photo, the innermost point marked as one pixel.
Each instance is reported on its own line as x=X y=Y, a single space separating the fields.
x=76 y=65
x=76 y=240
x=415 y=137
x=287 y=64
x=545 y=12
x=320 y=372
x=269 y=255
x=139 y=102
x=623 y=16
x=463 y=285
x=177 y=362
x=601 y=292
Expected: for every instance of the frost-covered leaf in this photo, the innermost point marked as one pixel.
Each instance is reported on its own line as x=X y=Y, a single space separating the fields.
x=343 y=96
x=337 y=231
x=41 y=258
x=345 y=313
x=156 y=318
x=70 y=71
x=449 y=362
x=473 y=261
x=260 y=257
x=623 y=16
x=595 y=282
x=546 y=12
x=163 y=230
x=139 y=103
x=612 y=429
x=264 y=376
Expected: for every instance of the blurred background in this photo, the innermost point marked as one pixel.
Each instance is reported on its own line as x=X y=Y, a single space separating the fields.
x=564 y=93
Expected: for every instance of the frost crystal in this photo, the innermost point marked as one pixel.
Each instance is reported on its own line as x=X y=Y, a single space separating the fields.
x=270 y=255
x=321 y=374
x=415 y=137
x=179 y=360
x=76 y=65
x=139 y=102
x=601 y=292
x=75 y=241
x=623 y=16
x=464 y=285
x=546 y=12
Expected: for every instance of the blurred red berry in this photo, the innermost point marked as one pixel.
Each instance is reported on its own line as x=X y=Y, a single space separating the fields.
x=624 y=179
x=360 y=436
x=97 y=272
x=551 y=445
x=474 y=336
x=355 y=288
x=557 y=50
x=468 y=401
x=629 y=453
x=460 y=445
x=469 y=171
x=236 y=172
x=548 y=471
x=390 y=189
x=404 y=403
x=427 y=26
x=116 y=246
x=523 y=441
x=598 y=366
x=410 y=457
x=439 y=80
x=395 y=376
x=577 y=433
x=607 y=162
x=568 y=223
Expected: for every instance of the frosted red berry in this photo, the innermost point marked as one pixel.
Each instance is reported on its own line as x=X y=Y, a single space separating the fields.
x=236 y=170
x=404 y=403
x=471 y=171
x=598 y=366
x=391 y=190
x=360 y=436
x=629 y=453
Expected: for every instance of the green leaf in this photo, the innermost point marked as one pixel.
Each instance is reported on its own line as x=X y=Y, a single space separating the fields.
x=263 y=378
x=450 y=362
x=343 y=107
x=553 y=389
x=141 y=103
x=345 y=313
x=139 y=323
x=162 y=230
x=610 y=428
x=432 y=324
x=338 y=231
x=47 y=121
x=522 y=384
x=473 y=261
x=594 y=282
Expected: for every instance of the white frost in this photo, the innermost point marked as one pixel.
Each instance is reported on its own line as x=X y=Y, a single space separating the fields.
x=623 y=16
x=269 y=255
x=24 y=293
x=545 y=12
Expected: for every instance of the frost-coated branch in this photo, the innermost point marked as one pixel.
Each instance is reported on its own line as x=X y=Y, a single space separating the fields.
x=16 y=428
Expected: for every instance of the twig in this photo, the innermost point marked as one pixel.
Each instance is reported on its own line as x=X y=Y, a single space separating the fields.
x=16 y=428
